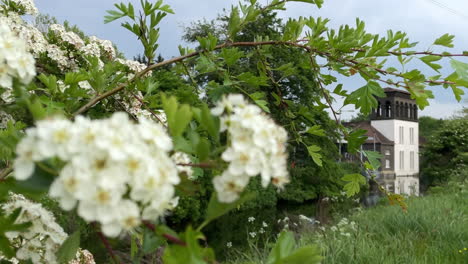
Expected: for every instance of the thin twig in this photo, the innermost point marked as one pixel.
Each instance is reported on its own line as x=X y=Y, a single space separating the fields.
x=170 y=238
x=147 y=108
x=120 y=87
x=108 y=246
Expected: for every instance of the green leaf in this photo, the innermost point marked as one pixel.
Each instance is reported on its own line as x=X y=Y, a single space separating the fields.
x=355 y=140
x=231 y=56
x=446 y=40
x=234 y=22
x=112 y=15
x=178 y=118
x=458 y=92
x=460 y=68
x=354 y=180
x=428 y=60
x=216 y=208
x=313 y=153
x=284 y=247
x=304 y=255
x=69 y=248
x=318 y=3
x=374 y=158
x=364 y=97
x=191 y=253
x=151 y=242
x=316 y=130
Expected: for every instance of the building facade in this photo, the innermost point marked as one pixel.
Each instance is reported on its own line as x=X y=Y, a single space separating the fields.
x=394 y=132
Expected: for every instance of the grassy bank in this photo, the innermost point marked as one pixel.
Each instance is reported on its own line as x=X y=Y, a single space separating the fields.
x=433 y=230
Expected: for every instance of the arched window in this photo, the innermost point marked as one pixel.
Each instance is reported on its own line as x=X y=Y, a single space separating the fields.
x=415 y=112
x=388 y=109
x=406 y=111
x=411 y=112
x=379 y=110
x=402 y=110
x=397 y=109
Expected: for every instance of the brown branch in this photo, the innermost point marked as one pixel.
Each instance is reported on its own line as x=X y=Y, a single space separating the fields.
x=384 y=72
x=108 y=246
x=170 y=238
x=418 y=53
x=297 y=44
x=151 y=111
x=120 y=87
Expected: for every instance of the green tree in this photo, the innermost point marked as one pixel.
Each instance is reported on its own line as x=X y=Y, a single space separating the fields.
x=445 y=152
x=428 y=126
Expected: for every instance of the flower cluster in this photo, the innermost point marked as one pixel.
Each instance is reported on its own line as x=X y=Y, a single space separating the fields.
x=67 y=36
x=257 y=146
x=106 y=46
x=27 y=6
x=133 y=66
x=118 y=172
x=344 y=228
x=42 y=240
x=15 y=61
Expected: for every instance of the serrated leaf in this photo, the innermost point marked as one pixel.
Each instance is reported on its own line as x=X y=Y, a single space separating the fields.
x=374 y=158
x=355 y=140
x=313 y=153
x=428 y=60
x=68 y=250
x=364 y=97
x=458 y=92
x=446 y=40
x=316 y=130
x=460 y=68
x=355 y=181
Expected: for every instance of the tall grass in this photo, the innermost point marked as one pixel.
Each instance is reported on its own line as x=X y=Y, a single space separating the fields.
x=432 y=231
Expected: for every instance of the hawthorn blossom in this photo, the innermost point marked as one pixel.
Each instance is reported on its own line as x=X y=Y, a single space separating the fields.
x=28 y=7
x=257 y=147
x=15 y=60
x=39 y=242
x=116 y=172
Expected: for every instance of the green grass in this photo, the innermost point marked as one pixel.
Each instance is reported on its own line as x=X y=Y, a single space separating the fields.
x=433 y=231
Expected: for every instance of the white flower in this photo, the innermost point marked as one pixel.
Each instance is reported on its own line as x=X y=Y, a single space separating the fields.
x=334 y=228
x=257 y=146
x=116 y=172
x=15 y=60
x=229 y=187
x=253 y=234
x=264 y=224
x=44 y=237
x=261 y=231
x=183 y=158
x=251 y=219
x=229 y=244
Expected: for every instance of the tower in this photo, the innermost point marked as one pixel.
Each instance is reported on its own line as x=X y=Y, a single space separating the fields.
x=396 y=117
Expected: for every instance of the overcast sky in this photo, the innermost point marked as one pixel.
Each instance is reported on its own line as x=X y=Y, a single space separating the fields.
x=423 y=20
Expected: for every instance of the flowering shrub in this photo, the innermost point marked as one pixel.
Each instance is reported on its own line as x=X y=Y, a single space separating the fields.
x=86 y=126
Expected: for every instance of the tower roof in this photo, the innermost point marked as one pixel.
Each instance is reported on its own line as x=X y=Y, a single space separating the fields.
x=393 y=90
